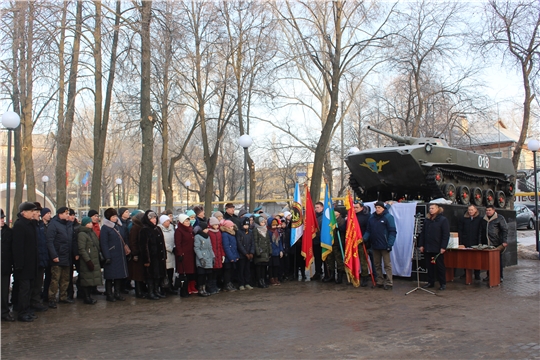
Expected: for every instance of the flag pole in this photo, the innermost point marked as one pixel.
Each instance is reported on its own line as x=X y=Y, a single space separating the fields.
x=369 y=265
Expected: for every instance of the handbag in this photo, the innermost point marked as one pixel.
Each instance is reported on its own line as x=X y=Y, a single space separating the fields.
x=127 y=250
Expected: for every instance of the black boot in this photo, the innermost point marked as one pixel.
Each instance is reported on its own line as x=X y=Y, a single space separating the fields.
x=117 y=286
x=123 y=284
x=86 y=292
x=157 y=290
x=184 y=289
x=108 y=290
x=138 y=292
x=339 y=279
x=261 y=284
x=151 y=295
x=202 y=291
x=364 y=281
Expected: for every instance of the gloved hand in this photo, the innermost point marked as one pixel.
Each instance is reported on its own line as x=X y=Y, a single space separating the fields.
x=180 y=258
x=107 y=261
x=389 y=249
x=203 y=263
x=90 y=265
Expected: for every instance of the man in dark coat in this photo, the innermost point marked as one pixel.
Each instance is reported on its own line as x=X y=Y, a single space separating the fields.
x=43 y=262
x=43 y=225
x=230 y=215
x=62 y=245
x=317 y=250
x=470 y=231
x=25 y=258
x=495 y=233
x=7 y=266
x=433 y=242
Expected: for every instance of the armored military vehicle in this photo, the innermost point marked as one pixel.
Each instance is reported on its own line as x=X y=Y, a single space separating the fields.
x=427 y=168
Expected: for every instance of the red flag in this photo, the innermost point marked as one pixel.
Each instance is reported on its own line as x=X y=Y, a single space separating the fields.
x=310 y=230
x=353 y=237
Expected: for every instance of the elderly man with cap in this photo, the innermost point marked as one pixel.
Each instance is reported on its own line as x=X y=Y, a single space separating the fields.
x=381 y=232
x=7 y=266
x=63 y=248
x=43 y=260
x=230 y=215
x=25 y=258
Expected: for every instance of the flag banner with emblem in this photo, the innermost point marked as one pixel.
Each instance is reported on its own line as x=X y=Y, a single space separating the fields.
x=328 y=225
x=310 y=230
x=85 y=178
x=297 y=219
x=353 y=237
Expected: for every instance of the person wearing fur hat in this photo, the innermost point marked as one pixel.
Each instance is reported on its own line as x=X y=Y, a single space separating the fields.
x=165 y=224
x=218 y=215
x=63 y=247
x=263 y=250
x=136 y=267
x=277 y=250
x=219 y=253
x=184 y=242
x=89 y=266
x=204 y=257
x=246 y=249
x=112 y=247
x=94 y=215
x=153 y=254
x=228 y=234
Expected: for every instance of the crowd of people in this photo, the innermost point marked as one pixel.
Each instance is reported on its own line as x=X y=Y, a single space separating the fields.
x=155 y=255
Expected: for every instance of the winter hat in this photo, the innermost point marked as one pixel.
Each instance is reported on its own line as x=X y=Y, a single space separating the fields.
x=190 y=213
x=379 y=203
x=257 y=209
x=45 y=211
x=122 y=211
x=260 y=219
x=135 y=212
x=229 y=205
x=61 y=210
x=286 y=214
x=71 y=212
x=246 y=222
x=227 y=223
x=168 y=212
x=92 y=213
x=182 y=218
x=2 y=215
x=38 y=205
x=27 y=206
x=198 y=210
x=275 y=222
x=217 y=214
x=109 y=213
x=86 y=220
x=163 y=219
x=151 y=215
x=213 y=221
x=242 y=212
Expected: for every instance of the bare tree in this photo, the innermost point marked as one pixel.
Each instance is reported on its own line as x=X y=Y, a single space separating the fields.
x=512 y=29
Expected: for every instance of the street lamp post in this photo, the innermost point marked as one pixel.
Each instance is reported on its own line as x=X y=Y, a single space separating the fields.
x=533 y=146
x=245 y=141
x=45 y=180
x=118 y=183
x=11 y=121
x=188 y=184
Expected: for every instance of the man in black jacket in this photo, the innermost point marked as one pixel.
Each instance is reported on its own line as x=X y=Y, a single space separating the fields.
x=470 y=231
x=495 y=233
x=363 y=214
x=25 y=258
x=433 y=242
x=61 y=245
x=230 y=215
x=7 y=266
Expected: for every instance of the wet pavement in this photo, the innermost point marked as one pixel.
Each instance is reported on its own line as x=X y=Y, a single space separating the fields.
x=297 y=320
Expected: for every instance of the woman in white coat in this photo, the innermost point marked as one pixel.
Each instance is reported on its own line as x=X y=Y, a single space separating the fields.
x=168 y=232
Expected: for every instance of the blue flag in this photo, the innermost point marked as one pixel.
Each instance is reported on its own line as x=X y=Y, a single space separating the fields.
x=86 y=178
x=297 y=218
x=328 y=225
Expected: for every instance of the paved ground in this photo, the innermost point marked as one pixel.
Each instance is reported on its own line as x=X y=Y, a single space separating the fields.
x=297 y=320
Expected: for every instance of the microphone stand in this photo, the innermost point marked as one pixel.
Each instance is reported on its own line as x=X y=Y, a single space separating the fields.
x=417 y=230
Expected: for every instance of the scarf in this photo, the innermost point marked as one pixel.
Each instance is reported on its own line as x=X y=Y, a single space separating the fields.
x=261 y=229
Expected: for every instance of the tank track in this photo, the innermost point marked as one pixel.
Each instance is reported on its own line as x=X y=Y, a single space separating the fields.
x=470 y=179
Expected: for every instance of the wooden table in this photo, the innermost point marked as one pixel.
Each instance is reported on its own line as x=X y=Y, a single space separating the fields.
x=472 y=259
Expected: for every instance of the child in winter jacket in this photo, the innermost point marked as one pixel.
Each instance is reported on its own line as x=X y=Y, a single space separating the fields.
x=204 y=257
x=217 y=247
x=228 y=235
x=246 y=248
x=277 y=250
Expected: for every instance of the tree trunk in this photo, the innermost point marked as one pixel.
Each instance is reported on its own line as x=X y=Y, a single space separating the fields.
x=63 y=139
x=147 y=121
x=526 y=114
x=101 y=122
